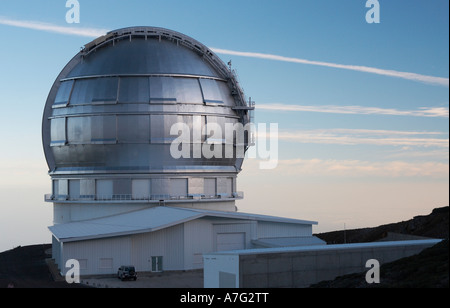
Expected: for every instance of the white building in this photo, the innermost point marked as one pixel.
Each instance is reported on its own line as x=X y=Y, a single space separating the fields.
x=169 y=238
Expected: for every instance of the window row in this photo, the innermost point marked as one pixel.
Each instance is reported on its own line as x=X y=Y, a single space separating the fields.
x=111 y=90
x=142 y=189
x=133 y=128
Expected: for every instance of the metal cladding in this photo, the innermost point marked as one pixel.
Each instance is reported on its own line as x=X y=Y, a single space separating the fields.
x=110 y=111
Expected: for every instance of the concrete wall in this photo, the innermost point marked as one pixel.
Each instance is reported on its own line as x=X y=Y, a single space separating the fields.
x=302 y=266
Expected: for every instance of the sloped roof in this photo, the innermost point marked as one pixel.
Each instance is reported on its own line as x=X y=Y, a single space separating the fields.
x=148 y=220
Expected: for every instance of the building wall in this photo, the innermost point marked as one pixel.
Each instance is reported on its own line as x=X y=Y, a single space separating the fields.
x=100 y=256
x=200 y=236
x=301 y=267
x=181 y=246
x=166 y=243
x=275 y=229
x=69 y=212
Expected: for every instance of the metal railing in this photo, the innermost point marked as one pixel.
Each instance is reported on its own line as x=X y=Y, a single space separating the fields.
x=137 y=198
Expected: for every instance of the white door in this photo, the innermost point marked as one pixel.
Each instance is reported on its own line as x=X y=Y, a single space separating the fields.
x=230 y=241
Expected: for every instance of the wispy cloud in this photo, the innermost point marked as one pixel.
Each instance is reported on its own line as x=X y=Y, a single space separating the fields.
x=94 y=32
x=48 y=27
x=440 y=81
x=355 y=168
x=366 y=137
x=441 y=112
x=347 y=168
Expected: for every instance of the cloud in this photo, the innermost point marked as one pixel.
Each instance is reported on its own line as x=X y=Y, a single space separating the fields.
x=93 y=33
x=441 y=112
x=366 y=137
x=439 y=81
x=353 y=168
x=41 y=26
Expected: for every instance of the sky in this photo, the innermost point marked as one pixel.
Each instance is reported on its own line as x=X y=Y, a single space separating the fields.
x=362 y=108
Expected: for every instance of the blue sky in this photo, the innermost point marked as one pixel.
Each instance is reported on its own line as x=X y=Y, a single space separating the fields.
x=356 y=147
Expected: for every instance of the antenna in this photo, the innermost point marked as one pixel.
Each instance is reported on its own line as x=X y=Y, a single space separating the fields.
x=345 y=236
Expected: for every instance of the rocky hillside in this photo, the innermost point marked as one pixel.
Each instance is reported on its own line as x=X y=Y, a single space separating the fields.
x=429 y=269
x=434 y=225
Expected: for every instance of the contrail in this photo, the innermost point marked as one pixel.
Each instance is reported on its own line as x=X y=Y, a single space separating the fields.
x=437 y=112
x=41 y=26
x=440 y=81
x=94 y=33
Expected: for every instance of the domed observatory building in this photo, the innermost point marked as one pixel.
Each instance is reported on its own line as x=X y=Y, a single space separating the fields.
x=125 y=190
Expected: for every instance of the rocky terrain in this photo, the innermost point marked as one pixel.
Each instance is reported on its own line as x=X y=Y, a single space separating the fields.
x=434 y=225
x=429 y=269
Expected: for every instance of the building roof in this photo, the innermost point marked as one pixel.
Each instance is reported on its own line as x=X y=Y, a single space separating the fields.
x=325 y=247
x=288 y=241
x=149 y=220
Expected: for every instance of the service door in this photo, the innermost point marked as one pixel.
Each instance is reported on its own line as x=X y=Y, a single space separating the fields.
x=230 y=241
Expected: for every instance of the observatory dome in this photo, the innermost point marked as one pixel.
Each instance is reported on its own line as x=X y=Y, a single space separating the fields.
x=108 y=117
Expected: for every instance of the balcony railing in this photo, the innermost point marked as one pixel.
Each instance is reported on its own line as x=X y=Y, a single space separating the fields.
x=137 y=198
